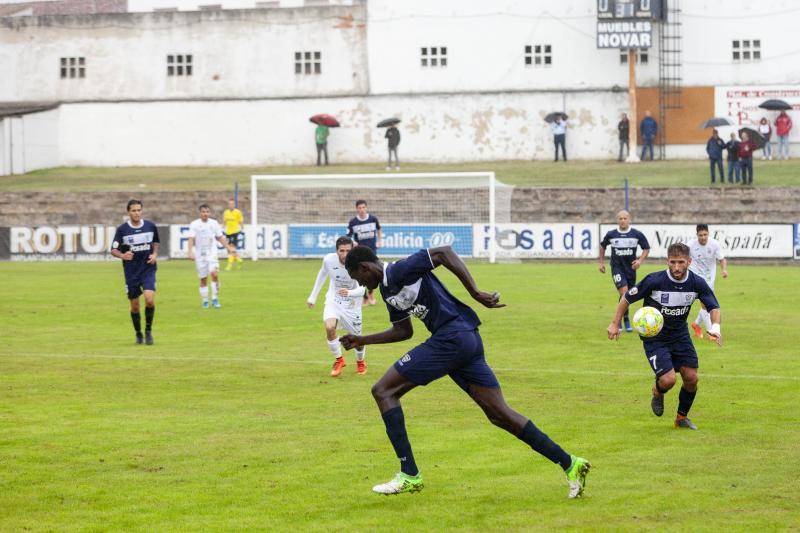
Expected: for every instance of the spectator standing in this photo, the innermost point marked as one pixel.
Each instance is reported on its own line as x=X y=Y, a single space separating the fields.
x=745 y=152
x=624 y=129
x=559 y=128
x=766 y=131
x=393 y=135
x=714 y=148
x=783 y=125
x=733 y=159
x=648 y=129
x=321 y=137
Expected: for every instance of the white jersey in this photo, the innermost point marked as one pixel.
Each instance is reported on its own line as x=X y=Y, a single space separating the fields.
x=205 y=236
x=340 y=279
x=704 y=259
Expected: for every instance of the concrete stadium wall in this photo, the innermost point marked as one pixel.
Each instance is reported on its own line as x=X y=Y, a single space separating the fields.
x=436 y=128
x=648 y=205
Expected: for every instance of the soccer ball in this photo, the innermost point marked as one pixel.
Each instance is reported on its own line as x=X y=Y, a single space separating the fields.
x=648 y=321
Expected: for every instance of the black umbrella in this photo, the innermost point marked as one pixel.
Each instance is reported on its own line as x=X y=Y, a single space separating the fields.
x=551 y=117
x=754 y=136
x=716 y=122
x=775 y=105
x=385 y=123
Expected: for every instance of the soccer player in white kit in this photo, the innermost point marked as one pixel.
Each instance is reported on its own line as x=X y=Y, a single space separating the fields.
x=204 y=233
x=705 y=253
x=342 y=304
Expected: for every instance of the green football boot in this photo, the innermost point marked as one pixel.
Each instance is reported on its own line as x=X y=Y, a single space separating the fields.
x=576 y=476
x=401 y=483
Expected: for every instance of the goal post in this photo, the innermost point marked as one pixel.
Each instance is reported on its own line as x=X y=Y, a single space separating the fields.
x=429 y=208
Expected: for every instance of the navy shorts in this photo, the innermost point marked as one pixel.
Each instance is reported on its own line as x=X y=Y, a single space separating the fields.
x=144 y=280
x=233 y=238
x=669 y=354
x=458 y=354
x=623 y=276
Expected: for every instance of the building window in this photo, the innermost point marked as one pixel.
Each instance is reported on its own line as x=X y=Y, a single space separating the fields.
x=308 y=62
x=538 y=55
x=73 y=67
x=746 y=50
x=642 y=57
x=433 y=56
x=179 y=65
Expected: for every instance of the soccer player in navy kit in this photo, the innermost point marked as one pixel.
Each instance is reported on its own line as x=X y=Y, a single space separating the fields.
x=136 y=243
x=624 y=263
x=455 y=348
x=365 y=230
x=672 y=292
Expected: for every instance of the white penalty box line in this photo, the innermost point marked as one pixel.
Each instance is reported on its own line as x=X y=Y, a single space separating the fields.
x=140 y=358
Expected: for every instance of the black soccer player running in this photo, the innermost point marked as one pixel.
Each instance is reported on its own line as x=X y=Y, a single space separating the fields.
x=136 y=243
x=672 y=291
x=365 y=230
x=623 y=241
x=454 y=349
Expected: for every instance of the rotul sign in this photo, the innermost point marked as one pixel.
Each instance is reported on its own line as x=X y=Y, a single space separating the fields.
x=88 y=242
x=60 y=239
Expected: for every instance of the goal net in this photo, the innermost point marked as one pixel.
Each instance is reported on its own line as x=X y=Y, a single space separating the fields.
x=306 y=213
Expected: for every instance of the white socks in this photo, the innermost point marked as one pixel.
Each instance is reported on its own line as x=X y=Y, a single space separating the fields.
x=360 y=354
x=204 y=293
x=335 y=348
x=214 y=289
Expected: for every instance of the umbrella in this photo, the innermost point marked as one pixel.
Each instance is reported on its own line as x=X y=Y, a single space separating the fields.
x=551 y=117
x=325 y=120
x=775 y=105
x=754 y=136
x=716 y=122
x=385 y=123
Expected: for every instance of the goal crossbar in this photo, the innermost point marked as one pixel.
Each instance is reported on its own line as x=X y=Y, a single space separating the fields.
x=491 y=183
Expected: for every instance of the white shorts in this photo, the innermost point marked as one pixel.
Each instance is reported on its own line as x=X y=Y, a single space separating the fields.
x=348 y=319
x=710 y=282
x=206 y=264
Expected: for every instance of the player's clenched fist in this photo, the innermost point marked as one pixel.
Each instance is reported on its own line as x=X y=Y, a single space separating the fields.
x=350 y=341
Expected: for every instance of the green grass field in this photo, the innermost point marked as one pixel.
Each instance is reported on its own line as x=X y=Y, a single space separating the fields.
x=680 y=173
x=232 y=422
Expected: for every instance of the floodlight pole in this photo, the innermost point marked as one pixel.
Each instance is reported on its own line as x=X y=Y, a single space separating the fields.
x=633 y=129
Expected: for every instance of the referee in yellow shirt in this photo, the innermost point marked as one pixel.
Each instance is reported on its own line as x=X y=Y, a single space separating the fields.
x=233 y=229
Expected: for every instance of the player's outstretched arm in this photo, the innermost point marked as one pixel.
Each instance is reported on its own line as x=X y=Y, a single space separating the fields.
x=448 y=258
x=715 y=333
x=613 y=328
x=399 y=331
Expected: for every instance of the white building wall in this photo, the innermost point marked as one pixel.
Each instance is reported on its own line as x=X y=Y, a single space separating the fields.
x=235 y=54
x=435 y=128
x=40 y=142
x=29 y=142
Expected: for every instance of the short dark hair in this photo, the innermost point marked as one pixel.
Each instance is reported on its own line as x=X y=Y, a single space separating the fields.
x=678 y=249
x=133 y=201
x=361 y=202
x=358 y=255
x=344 y=239
x=202 y=206
x=701 y=227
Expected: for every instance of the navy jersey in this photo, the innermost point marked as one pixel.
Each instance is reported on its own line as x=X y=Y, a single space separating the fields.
x=623 y=245
x=365 y=232
x=137 y=240
x=410 y=288
x=673 y=298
